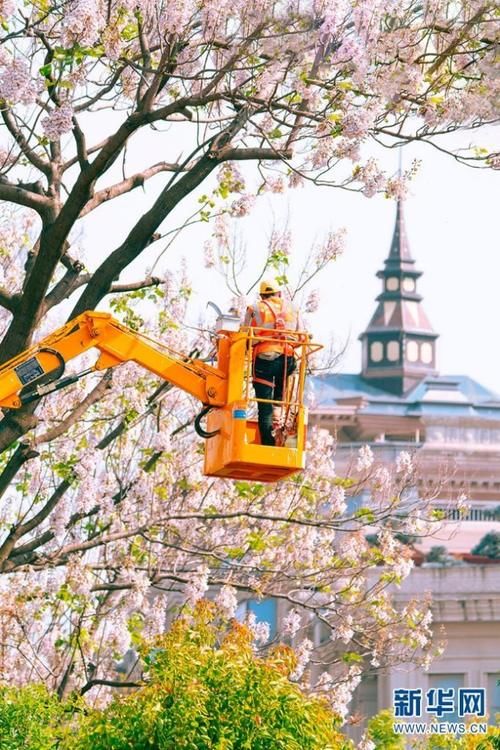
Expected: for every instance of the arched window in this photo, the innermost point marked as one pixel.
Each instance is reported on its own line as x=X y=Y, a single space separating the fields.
x=412 y=351
x=393 y=351
x=409 y=284
x=376 y=351
x=426 y=352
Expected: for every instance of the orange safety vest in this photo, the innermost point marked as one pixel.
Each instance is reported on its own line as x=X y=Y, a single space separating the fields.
x=273 y=314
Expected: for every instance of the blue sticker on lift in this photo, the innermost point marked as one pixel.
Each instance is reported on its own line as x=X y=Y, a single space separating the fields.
x=239 y=414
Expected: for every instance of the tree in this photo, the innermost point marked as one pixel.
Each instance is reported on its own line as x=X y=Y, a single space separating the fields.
x=99 y=502
x=203 y=686
x=437 y=554
x=206 y=687
x=489 y=545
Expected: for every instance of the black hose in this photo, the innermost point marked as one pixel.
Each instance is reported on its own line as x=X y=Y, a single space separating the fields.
x=55 y=374
x=199 y=429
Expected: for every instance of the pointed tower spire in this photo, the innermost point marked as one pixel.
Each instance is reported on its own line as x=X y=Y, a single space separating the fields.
x=399 y=342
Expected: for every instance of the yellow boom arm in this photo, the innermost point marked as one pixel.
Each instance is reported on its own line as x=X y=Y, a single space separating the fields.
x=234 y=449
x=116 y=344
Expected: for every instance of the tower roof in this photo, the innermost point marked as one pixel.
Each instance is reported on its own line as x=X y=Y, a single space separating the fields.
x=399 y=341
x=400 y=259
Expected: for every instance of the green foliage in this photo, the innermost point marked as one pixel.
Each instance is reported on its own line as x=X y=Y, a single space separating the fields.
x=438 y=553
x=489 y=545
x=30 y=718
x=207 y=691
x=380 y=730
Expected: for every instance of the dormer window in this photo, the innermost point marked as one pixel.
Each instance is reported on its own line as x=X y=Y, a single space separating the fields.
x=412 y=351
x=393 y=351
x=376 y=351
x=426 y=353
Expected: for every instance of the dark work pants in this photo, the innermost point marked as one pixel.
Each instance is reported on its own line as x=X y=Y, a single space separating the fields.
x=276 y=371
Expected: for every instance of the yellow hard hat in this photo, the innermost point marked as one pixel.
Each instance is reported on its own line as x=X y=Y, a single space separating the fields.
x=269 y=287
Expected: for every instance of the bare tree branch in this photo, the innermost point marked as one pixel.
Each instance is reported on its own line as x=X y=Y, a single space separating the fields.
x=90 y=399
x=24 y=452
x=109 y=683
x=23 y=144
x=134 y=286
x=21 y=529
x=23 y=197
x=125 y=186
x=7 y=300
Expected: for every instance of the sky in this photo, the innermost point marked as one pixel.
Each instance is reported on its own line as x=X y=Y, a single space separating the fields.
x=453 y=227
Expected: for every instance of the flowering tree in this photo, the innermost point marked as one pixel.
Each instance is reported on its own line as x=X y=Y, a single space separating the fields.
x=99 y=502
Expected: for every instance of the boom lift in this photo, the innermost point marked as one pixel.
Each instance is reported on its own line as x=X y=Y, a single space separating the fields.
x=232 y=448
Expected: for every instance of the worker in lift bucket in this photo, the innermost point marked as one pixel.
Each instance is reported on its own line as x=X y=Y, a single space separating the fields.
x=273 y=359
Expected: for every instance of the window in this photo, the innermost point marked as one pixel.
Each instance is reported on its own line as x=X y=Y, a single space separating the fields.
x=265 y=610
x=409 y=284
x=426 y=353
x=412 y=351
x=364 y=704
x=393 y=351
x=447 y=682
x=376 y=351
x=493 y=696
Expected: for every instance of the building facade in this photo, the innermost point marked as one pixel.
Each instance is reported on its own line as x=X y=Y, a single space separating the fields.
x=451 y=425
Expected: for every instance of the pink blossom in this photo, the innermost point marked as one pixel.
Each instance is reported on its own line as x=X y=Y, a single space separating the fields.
x=337 y=500
x=58 y=122
x=295 y=179
x=280 y=243
x=230 y=176
x=404 y=463
x=303 y=653
x=312 y=301
x=291 y=623
x=332 y=247
x=78 y=576
x=112 y=41
x=197 y=586
x=343 y=630
x=372 y=178
x=387 y=542
x=156 y=616
x=366 y=743
x=177 y=18
x=365 y=458
x=324 y=682
x=141 y=584
x=403 y=566
x=242 y=206
x=275 y=184
x=7 y=8
x=356 y=122
x=16 y=84
x=260 y=630
x=208 y=255
x=227 y=600
x=81 y=23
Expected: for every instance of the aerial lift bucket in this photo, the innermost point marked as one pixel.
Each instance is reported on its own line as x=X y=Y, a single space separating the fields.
x=234 y=450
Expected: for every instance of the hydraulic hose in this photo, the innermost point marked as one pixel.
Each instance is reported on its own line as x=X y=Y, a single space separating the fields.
x=199 y=429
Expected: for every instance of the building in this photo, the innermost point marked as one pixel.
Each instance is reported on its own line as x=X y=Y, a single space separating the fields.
x=451 y=424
